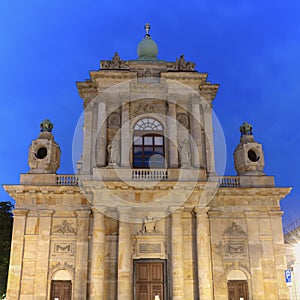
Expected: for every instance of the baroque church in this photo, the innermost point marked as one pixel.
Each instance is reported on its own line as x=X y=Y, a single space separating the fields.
x=146 y=217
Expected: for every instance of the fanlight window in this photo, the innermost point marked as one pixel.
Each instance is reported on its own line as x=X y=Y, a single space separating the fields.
x=148 y=147
x=148 y=124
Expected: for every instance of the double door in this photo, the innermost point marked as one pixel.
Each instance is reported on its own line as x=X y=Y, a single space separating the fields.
x=150 y=281
x=237 y=290
x=61 y=290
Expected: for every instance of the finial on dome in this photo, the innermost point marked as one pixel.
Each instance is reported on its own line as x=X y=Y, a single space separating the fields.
x=147 y=28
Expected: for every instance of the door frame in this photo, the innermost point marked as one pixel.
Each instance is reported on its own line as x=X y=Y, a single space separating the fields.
x=239 y=281
x=60 y=281
x=151 y=260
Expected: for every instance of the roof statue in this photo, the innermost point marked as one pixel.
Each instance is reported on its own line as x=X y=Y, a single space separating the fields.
x=246 y=129
x=46 y=125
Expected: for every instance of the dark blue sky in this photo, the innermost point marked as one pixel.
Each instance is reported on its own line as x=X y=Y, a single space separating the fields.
x=252 y=48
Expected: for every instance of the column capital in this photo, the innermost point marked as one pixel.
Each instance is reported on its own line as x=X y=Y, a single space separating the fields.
x=45 y=212
x=20 y=212
x=99 y=209
x=198 y=210
x=83 y=213
x=124 y=213
x=175 y=209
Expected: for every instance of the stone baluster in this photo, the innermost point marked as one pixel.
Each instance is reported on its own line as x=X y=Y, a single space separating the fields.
x=98 y=255
x=177 y=255
x=204 y=266
x=16 y=258
x=124 y=255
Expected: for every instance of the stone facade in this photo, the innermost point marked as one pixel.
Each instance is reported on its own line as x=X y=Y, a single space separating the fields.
x=127 y=211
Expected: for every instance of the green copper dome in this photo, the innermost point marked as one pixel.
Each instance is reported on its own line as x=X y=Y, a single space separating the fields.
x=147 y=48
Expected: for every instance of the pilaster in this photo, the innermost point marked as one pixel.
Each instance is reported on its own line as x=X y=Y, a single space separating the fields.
x=101 y=146
x=124 y=255
x=98 y=256
x=16 y=256
x=81 y=264
x=125 y=136
x=172 y=135
x=177 y=255
x=42 y=257
x=205 y=287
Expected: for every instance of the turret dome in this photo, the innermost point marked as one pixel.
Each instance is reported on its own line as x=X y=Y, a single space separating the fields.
x=147 y=49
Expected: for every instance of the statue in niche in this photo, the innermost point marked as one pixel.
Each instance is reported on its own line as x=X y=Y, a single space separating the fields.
x=185 y=153
x=113 y=150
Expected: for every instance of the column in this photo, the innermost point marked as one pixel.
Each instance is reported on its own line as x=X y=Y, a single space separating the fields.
x=87 y=140
x=209 y=139
x=205 y=287
x=197 y=157
x=125 y=136
x=16 y=257
x=81 y=263
x=42 y=256
x=124 y=255
x=177 y=255
x=172 y=136
x=98 y=256
x=101 y=137
x=255 y=255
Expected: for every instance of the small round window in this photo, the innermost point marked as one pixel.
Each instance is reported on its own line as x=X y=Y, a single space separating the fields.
x=41 y=153
x=253 y=156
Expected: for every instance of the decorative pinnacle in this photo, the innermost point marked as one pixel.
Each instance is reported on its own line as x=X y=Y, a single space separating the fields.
x=46 y=125
x=147 y=28
x=246 y=129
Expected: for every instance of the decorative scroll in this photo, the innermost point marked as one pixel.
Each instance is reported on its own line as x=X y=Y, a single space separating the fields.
x=64 y=228
x=235 y=248
x=63 y=248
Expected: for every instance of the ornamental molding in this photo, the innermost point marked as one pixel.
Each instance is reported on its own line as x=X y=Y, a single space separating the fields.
x=234 y=230
x=64 y=228
x=146 y=108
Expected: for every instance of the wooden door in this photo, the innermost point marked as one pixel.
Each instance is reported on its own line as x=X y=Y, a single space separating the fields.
x=237 y=290
x=149 y=280
x=61 y=290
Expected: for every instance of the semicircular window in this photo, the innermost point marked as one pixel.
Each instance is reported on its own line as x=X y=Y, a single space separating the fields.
x=148 y=144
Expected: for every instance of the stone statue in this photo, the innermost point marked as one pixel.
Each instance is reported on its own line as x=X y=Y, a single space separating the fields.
x=182 y=64
x=113 y=150
x=185 y=154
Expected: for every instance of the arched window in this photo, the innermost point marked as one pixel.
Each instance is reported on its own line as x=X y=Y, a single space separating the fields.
x=148 y=144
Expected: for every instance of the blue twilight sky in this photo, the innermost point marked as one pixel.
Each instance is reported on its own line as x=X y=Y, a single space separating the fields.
x=252 y=48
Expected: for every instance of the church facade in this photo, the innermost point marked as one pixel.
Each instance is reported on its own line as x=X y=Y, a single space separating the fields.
x=146 y=217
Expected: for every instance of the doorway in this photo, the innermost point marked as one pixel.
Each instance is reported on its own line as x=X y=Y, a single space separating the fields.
x=237 y=290
x=61 y=290
x=149 y=279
